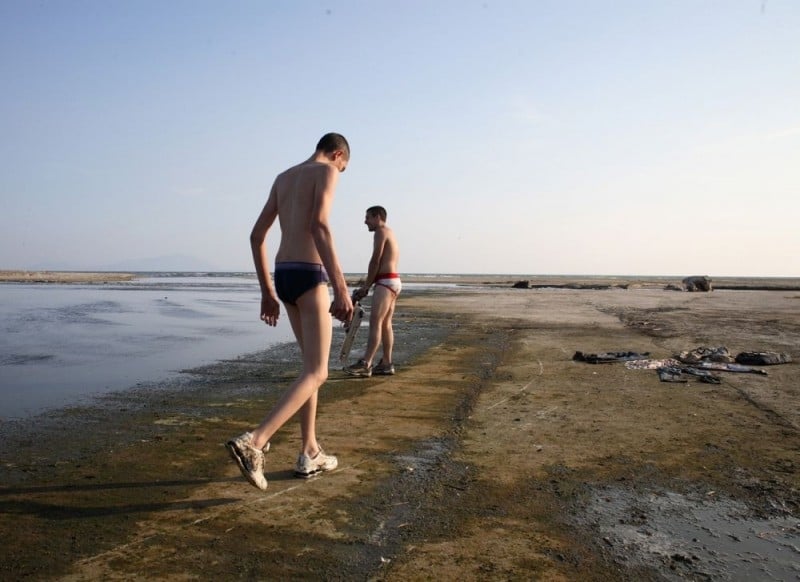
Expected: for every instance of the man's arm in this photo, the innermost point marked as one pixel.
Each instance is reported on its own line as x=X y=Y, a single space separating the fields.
x=270 y=308
x=342 y=306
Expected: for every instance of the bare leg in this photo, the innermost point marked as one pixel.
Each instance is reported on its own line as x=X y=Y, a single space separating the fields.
x=387 y=333
x=311 y=323
x=308 y=412
x=382 y=306
x=308 y=425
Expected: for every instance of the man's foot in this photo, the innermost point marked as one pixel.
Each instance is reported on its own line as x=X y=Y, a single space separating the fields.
x=359 y=369
x=382 y=369
x=249 y=459
x=309 y=466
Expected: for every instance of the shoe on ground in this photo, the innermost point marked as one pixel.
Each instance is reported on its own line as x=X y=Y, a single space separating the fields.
x=249 y=459
x=309 y=466
x=359 y=369
x=382 y=369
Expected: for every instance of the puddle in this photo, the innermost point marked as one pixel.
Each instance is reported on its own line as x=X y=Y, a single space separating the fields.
x=425 y=458
x=695 y=537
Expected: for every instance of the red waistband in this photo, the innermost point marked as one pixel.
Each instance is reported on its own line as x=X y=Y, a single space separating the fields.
x=387 y=276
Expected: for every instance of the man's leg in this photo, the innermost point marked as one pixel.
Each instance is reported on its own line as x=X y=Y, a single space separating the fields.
x=308 y=425
x=308 y=412
x=297 y=325
x=387 y=333
x=313 y=329
x=382 y=305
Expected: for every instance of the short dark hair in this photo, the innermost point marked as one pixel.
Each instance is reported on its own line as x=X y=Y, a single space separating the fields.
x=330 y=142
x=378 y=211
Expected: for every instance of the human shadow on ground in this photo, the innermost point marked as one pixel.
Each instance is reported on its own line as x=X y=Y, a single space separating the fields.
x=57 y=512
x=62 y=509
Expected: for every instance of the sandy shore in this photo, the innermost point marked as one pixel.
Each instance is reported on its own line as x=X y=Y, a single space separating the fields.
x=63 y=277
x=491 y=455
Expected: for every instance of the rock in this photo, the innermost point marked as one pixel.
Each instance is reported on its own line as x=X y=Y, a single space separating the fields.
x=697 y=283
x=522 y=285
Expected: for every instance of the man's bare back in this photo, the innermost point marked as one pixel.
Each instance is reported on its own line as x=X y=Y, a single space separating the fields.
x=386 y=245
x=301 y=199
x=297 y=192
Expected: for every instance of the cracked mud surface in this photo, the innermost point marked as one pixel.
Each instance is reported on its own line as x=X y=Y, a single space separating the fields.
x=490 y=455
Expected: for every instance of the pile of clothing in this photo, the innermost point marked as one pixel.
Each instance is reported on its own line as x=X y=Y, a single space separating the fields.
x=699 y=363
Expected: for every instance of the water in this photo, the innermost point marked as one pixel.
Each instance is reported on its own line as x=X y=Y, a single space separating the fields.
x=60 y=344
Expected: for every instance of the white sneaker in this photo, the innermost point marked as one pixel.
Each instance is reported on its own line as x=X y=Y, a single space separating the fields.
x=249 y=459
x=309 y=466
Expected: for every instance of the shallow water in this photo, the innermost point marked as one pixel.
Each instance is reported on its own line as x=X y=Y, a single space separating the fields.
x=60 y=344
x=63 y=343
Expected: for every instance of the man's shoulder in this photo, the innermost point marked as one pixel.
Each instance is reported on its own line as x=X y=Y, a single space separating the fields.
x=319 y=168
x=384 y=233
x=313 y=171
x=309 y=166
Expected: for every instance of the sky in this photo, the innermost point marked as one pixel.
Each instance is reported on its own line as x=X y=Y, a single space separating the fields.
x=521 y=137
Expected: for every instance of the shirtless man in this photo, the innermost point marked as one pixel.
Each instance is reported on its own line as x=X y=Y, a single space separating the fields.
x=382 y=272
x=301 y=199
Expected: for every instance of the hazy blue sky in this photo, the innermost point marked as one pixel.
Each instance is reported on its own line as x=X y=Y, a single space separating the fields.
x=597 y=137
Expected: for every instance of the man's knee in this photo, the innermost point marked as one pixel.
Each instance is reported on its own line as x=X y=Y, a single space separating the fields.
x=321 y=376
x=317 y=376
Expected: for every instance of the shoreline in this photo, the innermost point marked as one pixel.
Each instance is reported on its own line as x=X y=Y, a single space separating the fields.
x=592 y=282
x=46 y=277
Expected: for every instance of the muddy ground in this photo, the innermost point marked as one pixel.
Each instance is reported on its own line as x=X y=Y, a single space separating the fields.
x=491 y=455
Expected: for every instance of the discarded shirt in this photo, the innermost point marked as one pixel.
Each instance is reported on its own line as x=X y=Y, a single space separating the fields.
x=719 y=366
x=609 y=357
x=671 y=374
x=652 y=364
x=676 y=374
x=762 y=358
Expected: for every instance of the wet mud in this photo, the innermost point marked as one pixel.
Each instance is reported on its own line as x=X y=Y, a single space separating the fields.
x=491 y=455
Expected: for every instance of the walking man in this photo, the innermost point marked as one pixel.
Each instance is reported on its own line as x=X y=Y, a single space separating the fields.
x=382 y=272
x=301 y=199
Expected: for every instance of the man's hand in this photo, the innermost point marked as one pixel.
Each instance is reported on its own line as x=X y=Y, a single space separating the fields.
x=342 y=307
x=360 y=293
x=270 y=310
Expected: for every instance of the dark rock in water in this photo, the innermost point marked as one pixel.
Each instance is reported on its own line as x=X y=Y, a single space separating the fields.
x=522 y=285
x=697 y=283
x=671 y=287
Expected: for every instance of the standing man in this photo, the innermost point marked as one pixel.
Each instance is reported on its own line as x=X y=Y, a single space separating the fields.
x=301 y=199
x=383 y=273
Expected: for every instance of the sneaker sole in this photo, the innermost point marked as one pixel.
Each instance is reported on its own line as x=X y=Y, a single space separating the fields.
x=301 y=475
x=236 y=455
x=357 y=374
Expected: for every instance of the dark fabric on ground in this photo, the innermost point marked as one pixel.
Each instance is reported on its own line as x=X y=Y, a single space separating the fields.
x=609 y=357
x=762 y=358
